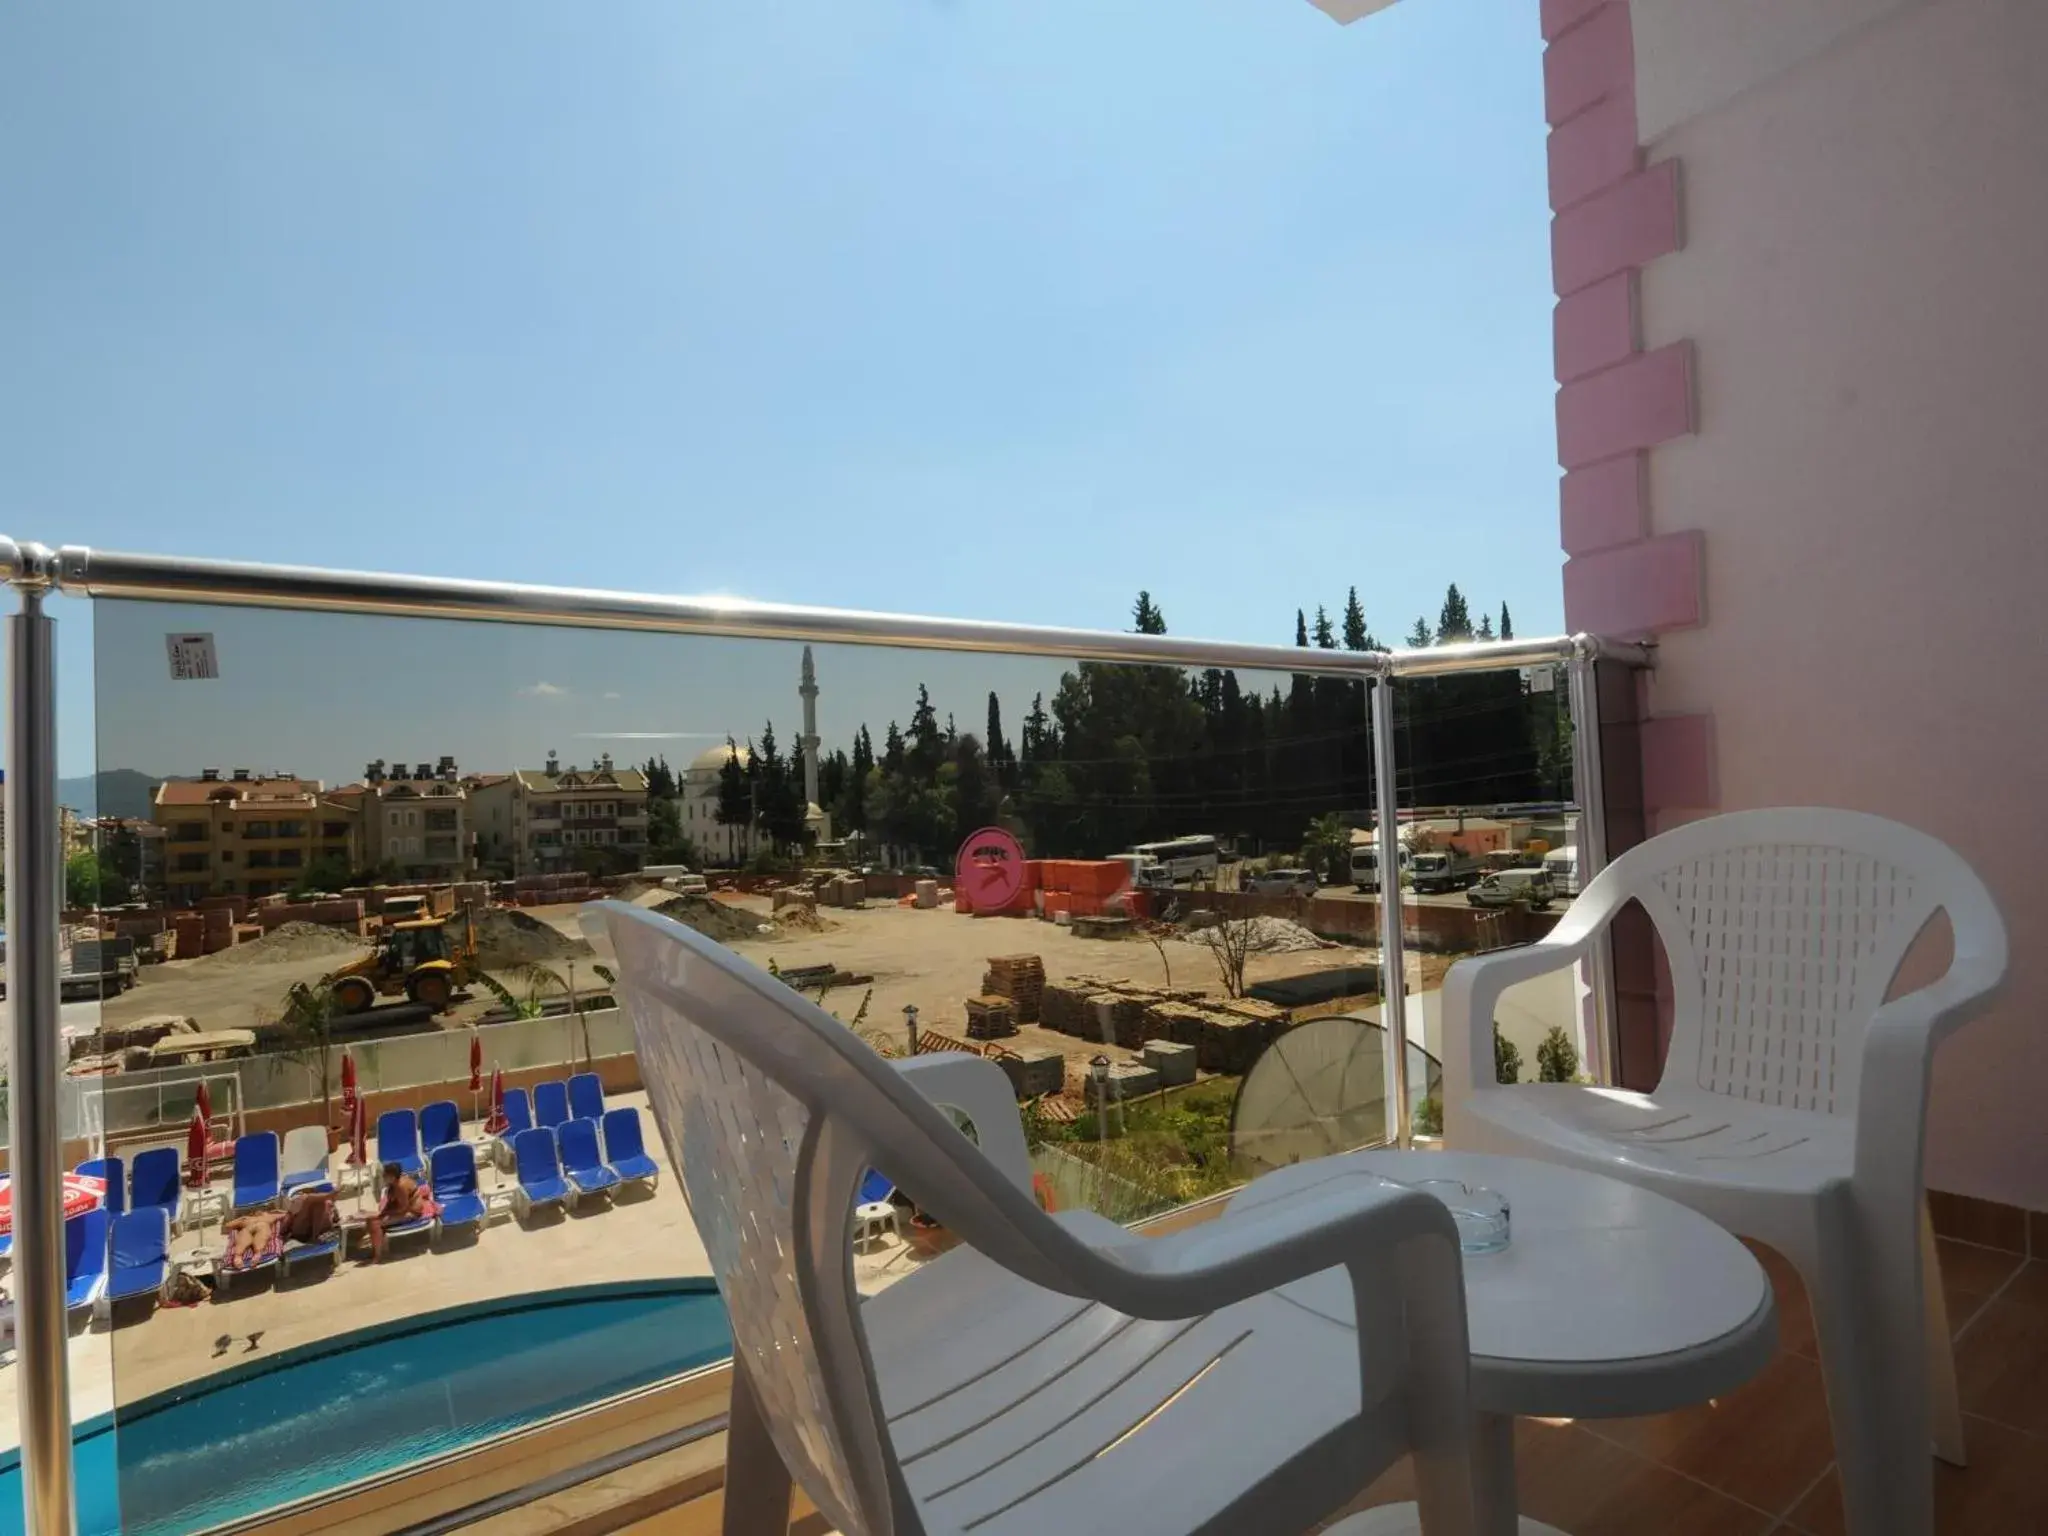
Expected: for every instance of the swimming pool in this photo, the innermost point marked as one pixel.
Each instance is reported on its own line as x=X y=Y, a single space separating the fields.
x=309 y=1420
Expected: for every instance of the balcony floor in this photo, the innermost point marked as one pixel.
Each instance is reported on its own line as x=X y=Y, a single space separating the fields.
x=1760 y=1460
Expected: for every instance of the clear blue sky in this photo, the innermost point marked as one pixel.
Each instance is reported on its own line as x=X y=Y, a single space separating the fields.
x=992 y=307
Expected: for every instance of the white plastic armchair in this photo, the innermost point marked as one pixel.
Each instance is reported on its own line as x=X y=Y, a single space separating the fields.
x=1057 y=1373
x=1793 y=1099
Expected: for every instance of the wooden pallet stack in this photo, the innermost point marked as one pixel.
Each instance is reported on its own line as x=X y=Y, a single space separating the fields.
x=1020 y=978
x=989 y=1017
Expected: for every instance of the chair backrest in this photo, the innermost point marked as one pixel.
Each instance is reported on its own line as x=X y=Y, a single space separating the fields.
x=533 y=1155
x=586 y=1096
x=154 y=1179
x=142 y=1237
x=622 y=1134
x=550 y=1104
x=875 y=1188
x=85 y=1245
x=518 y=1112
x=454 y=1170
x=773 y=1111
x=398 y=1135
x=305 y=1149
x=440 y=1123
x=256 y=1159
x=578 y=1139
x=1784 y=930
x=114 y=1174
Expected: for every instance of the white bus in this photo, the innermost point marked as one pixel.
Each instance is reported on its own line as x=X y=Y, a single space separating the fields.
x=1186 y=860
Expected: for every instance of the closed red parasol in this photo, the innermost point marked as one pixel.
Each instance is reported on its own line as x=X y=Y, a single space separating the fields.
x=495 y=1126
x=202 y=1100
x=197 y=1171
x=476 y=1062
x=348 y=1084
x=359 y=1133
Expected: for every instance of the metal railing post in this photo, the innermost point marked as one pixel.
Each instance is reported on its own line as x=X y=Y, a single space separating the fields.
x=1393 y=975
x=35 y=1153
x=1590 y=790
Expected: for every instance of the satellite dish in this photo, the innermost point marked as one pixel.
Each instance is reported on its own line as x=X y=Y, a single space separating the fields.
x=1320 y=1089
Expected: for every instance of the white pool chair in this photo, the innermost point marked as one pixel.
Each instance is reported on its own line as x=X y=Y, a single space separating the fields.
x=1793 y=1099
x=1057 y=1374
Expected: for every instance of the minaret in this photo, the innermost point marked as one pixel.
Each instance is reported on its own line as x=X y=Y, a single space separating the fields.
x=807 y=690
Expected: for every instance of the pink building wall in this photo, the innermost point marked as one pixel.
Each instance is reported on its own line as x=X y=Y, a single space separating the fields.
x=1801 y=337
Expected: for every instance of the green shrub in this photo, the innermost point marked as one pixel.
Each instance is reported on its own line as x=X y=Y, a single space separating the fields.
x=1557 y=1059
x=1507 y=1058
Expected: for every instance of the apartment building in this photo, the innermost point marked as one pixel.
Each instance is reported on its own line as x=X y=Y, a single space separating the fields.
x=246 y=833
x=415 y=820
x=539 y=821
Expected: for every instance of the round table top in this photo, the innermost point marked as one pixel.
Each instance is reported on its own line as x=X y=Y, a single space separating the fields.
x=1608 y=1299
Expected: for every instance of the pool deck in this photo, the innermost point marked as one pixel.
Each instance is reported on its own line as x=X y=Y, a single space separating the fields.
x=639 y=1236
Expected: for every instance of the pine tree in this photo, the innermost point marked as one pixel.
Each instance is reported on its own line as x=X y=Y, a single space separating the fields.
x=1507 y=625
x=1356 y=636
x=1455 y=623
x=1002 y=761
x=1326 y=637
x=1300 y=629
x=1419 y=638
x=735 y=798
x=894 y=753
x=1146 y=618
x=1485 y=629
x=927 y=745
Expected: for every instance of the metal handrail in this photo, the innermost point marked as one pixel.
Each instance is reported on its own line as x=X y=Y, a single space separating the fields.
x=34 y=570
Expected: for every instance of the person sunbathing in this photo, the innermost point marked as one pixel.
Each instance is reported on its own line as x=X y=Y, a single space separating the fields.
x=310 y=1216
x=405 y=1199
x=250 y=1236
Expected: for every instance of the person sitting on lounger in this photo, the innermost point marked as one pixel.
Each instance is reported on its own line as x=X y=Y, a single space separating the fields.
x=405 y=1199
x=250 y=1237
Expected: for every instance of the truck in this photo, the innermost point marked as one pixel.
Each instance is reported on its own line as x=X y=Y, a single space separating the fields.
x=1365 y=866
x=97 y=968
x=1445 y=869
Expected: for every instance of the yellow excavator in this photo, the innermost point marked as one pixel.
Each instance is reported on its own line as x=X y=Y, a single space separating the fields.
x=415 y=959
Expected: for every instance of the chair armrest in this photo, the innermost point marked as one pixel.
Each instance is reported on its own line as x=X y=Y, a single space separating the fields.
x=1473 y=988
x=1898 y=1056
x=1355 y=1221
x=981 y=1091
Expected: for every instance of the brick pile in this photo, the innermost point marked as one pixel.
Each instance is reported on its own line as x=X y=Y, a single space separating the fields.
x=1020 y=978
x=1226 y=1034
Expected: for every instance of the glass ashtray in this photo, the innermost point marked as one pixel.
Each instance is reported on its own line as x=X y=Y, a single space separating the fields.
x=1481 y=1213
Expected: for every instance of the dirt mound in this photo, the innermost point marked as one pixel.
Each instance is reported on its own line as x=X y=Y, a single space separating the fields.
x=289 y=941
x=715 y=919
x=506 y=937
x=798 y=917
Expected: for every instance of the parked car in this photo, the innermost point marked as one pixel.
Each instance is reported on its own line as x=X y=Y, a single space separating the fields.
x=1562 y=865
x=1285 y=882
x=1511 y=886
x=687 y=885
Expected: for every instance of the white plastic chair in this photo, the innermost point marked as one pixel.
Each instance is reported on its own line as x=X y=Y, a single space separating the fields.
x=1061 y=1374
x=1793 y=1099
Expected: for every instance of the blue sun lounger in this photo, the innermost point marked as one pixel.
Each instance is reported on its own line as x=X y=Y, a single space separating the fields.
x=625 y=1151
x=85 y=1259
x=141 y=1254
x=440 y=1124
x=586 y=1096
x=114 y=1174
x=456 y=1189
x=153 y=1180
x=255 y=1171
x=398 y=1141
x=550 y=1105
x=539 y=1171
x=581 y=1160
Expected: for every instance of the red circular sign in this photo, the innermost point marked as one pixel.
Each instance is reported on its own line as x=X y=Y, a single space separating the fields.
x=989 y=870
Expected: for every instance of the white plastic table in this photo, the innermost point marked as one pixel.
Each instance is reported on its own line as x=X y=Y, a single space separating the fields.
x=1607 y=1302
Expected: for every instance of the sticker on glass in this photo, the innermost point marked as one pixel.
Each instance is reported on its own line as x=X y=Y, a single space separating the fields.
x=192 y=656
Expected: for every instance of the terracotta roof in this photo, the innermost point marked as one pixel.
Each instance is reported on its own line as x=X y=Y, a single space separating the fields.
x=195 y=792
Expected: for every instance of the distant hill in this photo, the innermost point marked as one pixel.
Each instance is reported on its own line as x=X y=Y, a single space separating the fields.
x=115 y=792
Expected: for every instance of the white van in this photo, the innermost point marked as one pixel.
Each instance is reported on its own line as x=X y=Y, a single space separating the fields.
x=1562 y=865
x=1365 y=865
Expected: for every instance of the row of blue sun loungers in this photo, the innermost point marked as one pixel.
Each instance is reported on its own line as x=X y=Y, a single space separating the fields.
x=122 y=1250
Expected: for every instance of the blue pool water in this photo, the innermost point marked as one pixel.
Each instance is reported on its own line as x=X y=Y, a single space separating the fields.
x=308 y=1420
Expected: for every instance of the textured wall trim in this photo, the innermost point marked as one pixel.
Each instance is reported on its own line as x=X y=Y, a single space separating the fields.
x=1639 y=403
x=1638 y=589
x=1678 y=763
x=1604 y=505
